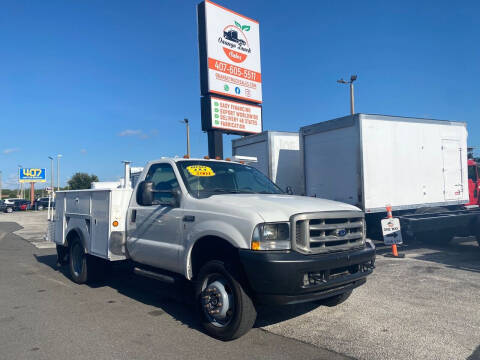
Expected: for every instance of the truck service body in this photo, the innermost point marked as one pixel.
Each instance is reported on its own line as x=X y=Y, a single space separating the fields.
x=224 y=226
x=417 y=166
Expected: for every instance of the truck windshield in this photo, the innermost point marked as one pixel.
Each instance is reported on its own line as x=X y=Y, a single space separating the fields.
x=207 y=178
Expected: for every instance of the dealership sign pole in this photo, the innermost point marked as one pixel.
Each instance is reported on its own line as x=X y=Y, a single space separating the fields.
x=230 y=74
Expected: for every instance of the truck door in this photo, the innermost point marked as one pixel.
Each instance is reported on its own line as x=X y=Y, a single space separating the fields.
x=452 y=169
x=155 y=232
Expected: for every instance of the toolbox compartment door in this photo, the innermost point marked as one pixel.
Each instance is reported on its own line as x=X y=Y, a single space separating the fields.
x=100 y=222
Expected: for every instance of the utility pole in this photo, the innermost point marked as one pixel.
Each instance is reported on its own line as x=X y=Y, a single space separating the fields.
x=185 y=121
x=0 y=185
x=352 y=100
x=58 y=171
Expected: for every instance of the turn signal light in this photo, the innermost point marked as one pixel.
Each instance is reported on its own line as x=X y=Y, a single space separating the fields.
x=206 y=157
x=115 y=223
x=228 y=159
x=255 y=245
x=186 y=156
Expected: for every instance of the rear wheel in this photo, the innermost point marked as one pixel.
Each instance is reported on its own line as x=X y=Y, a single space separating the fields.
x=9 y=210
x=62 y=255
x=40 y=207
x=336 y=300
x=81 y=264
x=226 y=310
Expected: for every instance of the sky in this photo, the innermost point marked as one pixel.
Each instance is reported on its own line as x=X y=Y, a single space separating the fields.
x=103 y=81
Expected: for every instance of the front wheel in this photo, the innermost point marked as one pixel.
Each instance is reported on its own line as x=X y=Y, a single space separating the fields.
x=226 y=310
x=9 y=210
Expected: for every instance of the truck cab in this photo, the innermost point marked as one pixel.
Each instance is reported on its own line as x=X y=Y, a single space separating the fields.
x=229 y=230
x=473 y=182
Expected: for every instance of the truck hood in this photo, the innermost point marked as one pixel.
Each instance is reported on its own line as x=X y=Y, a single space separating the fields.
x=273 y=207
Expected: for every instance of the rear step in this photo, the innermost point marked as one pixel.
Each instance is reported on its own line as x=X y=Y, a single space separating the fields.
x=154 y=275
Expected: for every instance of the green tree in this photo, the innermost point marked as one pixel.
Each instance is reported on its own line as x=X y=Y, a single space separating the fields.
x=81 y=181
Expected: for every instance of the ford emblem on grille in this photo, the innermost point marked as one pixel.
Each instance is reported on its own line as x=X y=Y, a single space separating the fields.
x=341 y=232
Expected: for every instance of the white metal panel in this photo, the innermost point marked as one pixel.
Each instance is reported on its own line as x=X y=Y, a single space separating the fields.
x=120 y=199
x=331 y=162
x=59 y=219
x=100 y=222
x=452 y=169
x=259 y=150
x=77 y=202
x=403 y=161
x=285 y=160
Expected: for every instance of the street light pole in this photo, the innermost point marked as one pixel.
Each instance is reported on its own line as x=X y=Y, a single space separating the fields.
x=352 y=99
x=52 y=186
x=0 y=185
x=58 y=171
x=185 y=121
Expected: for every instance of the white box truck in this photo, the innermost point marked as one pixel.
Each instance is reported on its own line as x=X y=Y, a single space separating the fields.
x=277 y=154
x=225 y=227
x=417 y=166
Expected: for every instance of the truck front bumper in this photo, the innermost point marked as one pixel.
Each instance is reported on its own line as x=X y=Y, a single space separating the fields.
x=288 y=277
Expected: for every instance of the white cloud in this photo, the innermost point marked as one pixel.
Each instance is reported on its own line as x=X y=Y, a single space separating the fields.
x=9 y=151
x=83 y=151
x=138 y=133
x=130 y=132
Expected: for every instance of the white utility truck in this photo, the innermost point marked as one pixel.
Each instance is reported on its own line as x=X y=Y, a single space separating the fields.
x=226 y=227
x=417 y=166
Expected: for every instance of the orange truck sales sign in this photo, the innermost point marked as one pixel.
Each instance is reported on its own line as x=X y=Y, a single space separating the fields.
x=231 y=52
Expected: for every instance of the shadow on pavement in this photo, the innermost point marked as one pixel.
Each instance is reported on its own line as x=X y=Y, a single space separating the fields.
x=475 y=355
x=176 y=300
x=459 y=253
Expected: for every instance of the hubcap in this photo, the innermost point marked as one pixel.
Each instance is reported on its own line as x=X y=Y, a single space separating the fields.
x=77 y=259
x=217 y=301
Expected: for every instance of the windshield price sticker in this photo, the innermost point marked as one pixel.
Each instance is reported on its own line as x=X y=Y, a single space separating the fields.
x=392 y=233
x=200 y=170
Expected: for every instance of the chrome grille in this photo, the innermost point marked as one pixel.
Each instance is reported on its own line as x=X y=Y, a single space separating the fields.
x=328 y=231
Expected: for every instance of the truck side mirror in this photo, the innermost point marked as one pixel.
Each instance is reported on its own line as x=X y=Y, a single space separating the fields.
x=145 y=193
x=176 y=196
x=289 y=190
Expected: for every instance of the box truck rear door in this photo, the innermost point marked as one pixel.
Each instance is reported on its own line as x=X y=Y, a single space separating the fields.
x=452 y=169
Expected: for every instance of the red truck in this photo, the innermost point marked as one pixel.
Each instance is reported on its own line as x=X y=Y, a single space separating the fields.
x=473 y=182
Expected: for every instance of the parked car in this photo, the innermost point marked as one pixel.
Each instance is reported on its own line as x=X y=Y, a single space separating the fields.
x=9 y=201
x=5 y=207
x=42 y=203
x=21 y=205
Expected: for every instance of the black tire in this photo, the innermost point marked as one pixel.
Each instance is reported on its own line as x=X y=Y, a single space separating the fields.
x=62 y=255
x=336 y=300
x=80 y=263
x=240 y=314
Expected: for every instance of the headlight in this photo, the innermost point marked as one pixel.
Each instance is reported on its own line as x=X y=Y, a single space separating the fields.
x=271 y=237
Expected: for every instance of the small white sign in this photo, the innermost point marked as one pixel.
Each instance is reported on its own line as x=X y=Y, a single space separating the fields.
x=235 y=116
x=392 y=233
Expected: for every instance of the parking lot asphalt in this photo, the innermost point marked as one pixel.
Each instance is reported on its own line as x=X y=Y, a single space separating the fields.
x=425 y=306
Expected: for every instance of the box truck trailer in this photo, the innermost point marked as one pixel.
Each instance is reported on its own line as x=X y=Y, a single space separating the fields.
x=416 y=166
x=223 y=226
x=277 y=154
